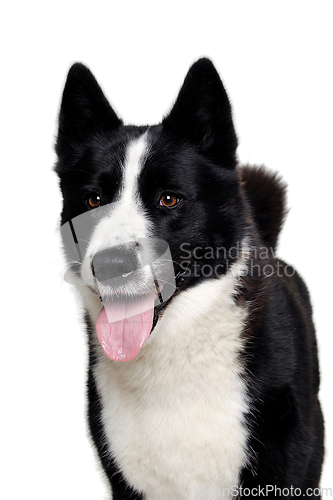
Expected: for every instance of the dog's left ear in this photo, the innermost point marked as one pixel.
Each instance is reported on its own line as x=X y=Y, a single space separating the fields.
x=202 y=114
x=85 y=112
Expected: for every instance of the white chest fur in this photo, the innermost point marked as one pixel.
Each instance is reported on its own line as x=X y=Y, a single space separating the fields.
x=174 y=416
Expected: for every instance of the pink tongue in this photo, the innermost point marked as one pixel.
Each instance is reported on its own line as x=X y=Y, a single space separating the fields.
x=123 y=327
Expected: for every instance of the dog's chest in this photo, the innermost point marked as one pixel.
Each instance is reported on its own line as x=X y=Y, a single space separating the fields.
x=174 y=416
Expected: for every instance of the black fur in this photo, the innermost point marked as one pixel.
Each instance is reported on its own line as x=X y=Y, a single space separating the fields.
x=266 y=193
x=193 y=154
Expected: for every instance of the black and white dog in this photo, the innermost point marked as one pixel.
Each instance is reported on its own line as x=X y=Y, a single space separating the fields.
x=203 y=372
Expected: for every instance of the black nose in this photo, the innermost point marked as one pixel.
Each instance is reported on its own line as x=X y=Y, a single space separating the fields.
x=113 y=263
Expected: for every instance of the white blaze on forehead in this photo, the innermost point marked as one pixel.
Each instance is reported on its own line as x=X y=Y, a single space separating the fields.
x=127 y=220
x=131 y=211
x=136 y=153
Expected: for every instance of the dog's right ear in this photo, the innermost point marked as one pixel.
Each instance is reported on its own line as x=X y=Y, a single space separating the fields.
x=84 y=111
x=202 y=114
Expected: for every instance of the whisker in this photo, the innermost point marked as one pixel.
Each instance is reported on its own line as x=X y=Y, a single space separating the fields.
x=166 y=282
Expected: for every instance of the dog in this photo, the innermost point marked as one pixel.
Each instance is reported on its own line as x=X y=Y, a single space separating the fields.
x=203 y=369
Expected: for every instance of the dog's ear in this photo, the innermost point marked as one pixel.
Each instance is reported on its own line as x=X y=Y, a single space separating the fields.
x=84 y=111
x=202 y=114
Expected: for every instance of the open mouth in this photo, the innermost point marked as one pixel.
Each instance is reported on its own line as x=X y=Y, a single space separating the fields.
x=123 y=326
x=125 y=322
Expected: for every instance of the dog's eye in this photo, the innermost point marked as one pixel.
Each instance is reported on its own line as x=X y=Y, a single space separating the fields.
x=169 y=200
x=94 y=200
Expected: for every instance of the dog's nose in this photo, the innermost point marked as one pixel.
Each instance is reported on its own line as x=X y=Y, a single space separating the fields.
x=113 y=263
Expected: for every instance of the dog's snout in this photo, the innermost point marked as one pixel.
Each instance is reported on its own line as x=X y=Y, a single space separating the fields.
x=113 y=263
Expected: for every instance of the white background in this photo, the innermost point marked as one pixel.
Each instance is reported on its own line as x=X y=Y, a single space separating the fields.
x=275 y=59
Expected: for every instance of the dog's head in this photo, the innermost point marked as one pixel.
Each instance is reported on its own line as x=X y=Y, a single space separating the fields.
x=147 y=211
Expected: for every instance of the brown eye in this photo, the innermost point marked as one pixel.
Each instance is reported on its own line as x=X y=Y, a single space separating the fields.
x=94 y=200
x=169 y=200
